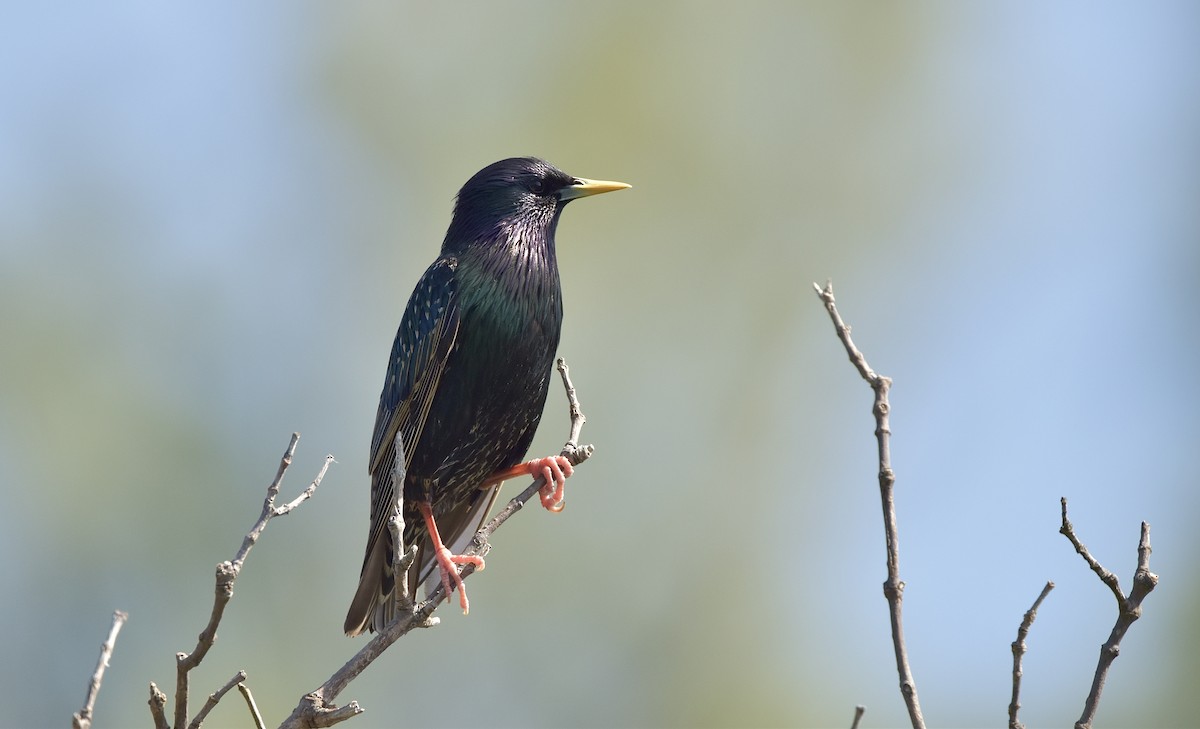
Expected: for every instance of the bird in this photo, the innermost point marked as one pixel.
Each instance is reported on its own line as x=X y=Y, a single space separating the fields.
x=467 y=379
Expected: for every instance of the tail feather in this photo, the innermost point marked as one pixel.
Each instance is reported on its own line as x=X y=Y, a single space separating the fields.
x=374 y=591
x=374 y=603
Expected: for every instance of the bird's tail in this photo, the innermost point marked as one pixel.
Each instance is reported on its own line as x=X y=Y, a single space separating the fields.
x=374 y=593
x=374 y=603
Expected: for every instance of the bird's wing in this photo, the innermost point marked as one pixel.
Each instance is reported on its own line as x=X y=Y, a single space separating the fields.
x=426 y=337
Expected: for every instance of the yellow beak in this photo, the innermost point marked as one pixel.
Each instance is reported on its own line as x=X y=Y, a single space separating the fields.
x=583 y=187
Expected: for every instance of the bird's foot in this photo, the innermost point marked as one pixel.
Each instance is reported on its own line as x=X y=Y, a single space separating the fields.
x=448 y=565
x=554 y=470
x=447 y=561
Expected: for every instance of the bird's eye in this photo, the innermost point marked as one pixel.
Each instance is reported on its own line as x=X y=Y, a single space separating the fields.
x=538 y=187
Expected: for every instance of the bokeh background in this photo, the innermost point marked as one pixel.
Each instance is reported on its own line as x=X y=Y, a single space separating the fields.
x=211 y=216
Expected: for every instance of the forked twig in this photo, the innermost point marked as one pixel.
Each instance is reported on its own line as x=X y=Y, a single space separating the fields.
x=1129 y=608
x=227 y=574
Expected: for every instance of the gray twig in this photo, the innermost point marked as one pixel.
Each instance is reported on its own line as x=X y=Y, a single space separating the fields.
x=158 y=707
x=83 y=718
x=214 y=698
x=1129 y=608
x=1018 y=650
x=402 y=558
x=316 y=709
x=227 y=573
x=893 y=588
x=858 y=715
x=249 y=697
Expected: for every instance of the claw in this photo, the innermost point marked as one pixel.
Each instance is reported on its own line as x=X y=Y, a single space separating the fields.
x=447 y=561
x=554 y=470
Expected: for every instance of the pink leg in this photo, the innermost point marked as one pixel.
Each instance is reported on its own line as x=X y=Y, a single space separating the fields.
x=553 y=469
x=447 y=562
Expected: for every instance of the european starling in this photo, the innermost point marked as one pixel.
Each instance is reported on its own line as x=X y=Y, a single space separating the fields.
x=468 y=376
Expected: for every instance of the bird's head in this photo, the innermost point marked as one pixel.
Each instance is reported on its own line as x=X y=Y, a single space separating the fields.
x=516 y=201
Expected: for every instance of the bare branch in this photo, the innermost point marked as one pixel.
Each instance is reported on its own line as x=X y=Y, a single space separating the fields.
x=1129 y=608
x=269 y=510
x=576 y=414
x=313 y=712
x=316 y=709
x=214 y=698
x=83 y=718
x=1108 y=578
x=227 y=574
x=402 y=558
x=158 y=707
x=1018 y=650
x=893 y=588
x=249 y=697
x=858 y=715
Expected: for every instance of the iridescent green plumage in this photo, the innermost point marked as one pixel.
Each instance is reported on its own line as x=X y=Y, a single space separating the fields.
x=469 y=369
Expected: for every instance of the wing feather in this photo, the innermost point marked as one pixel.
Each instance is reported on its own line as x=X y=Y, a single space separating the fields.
x=427 y=336
x=428 y=333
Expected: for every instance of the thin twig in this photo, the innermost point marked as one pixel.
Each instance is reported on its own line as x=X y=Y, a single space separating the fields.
x=158 y=707
x=402 y=558
x=227 y=574
x=1108 y=578
x=858 y=715
x=893 y=588
x=214 y=698
x=83 y=718
x=316 y=709
x=269 y=510
x=1129 y=608
x=1018 y=650
x=249 y=697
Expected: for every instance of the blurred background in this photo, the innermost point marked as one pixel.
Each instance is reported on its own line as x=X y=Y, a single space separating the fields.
x=211 y=217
